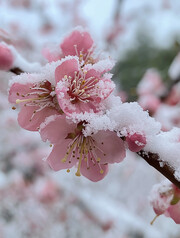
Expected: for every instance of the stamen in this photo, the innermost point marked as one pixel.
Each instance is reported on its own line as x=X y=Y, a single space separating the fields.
x=26 y=100
x=80 y=159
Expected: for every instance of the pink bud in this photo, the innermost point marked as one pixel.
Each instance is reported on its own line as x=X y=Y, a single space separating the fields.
x=6 y=58
x=136 y=142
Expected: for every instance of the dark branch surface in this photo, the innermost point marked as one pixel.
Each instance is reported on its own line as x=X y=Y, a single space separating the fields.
x=153 y=160
x=16 y=71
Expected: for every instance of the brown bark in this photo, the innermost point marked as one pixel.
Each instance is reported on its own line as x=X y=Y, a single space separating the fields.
x=167 y=170
x=16 y=71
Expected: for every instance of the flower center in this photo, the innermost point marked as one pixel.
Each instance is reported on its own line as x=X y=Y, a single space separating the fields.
x=83 y=149
x=41 y=95
x=81 y=88
x=85 y=58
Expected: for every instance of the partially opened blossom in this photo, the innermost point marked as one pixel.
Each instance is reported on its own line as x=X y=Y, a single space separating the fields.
x=81 y=90
x=6 y=57
x=37 y=101
x=165 y=199
x=90 y=154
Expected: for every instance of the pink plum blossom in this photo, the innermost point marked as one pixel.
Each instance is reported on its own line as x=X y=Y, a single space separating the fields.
x=90 y=154
x=151 y=83
x=6 y=57
x=81 y=90
x=77 y=43
x=37 y=101
x=136 y=142
x=165 y=199
x=149 y=102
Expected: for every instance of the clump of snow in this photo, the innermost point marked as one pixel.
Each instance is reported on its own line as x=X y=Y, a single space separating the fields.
x=46 y=72
x=122 y=118
x=101 y=65
x=167 y=146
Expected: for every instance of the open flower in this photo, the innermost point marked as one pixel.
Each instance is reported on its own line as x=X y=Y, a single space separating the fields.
x=90 y=154
x=78 y=43
x=37 y=101
x=81 y=90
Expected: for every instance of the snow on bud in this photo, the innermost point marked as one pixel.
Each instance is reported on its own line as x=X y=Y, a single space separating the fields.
x=136 y=142
x=165 y=199
x=6 y=57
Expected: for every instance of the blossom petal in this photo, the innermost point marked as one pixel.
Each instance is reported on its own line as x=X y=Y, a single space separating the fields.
x=57 y=154
x=76 y=42
x=52 y=53
x=94 y=172
x=174 y=212
x=68 y=68
x=110 y=148
x=55 y=128
x=30 y=123
x=17 y=91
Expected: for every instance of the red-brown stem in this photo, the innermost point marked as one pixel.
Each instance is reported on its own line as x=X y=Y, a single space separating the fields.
x=167 y=170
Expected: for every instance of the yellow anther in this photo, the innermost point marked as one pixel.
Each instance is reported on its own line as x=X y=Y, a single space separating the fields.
x=50 y=145
x=101 y=171
x=65 y=76
x=78 y=173
x=63 y=160
x=68 y=170
x=98 y=159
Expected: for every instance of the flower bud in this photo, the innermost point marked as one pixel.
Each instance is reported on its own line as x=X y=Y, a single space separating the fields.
x=136 y=142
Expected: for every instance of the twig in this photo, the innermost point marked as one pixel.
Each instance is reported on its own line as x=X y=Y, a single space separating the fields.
x=167 y=170
x=16 y=71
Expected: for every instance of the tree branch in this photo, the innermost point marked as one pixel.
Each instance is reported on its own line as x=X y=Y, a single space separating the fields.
x=167 y=170
x=16 y=71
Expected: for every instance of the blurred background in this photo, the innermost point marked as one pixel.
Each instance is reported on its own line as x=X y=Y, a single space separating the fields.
x=144 y=38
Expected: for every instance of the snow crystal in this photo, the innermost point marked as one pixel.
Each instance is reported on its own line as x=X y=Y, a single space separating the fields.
x=101 y=65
